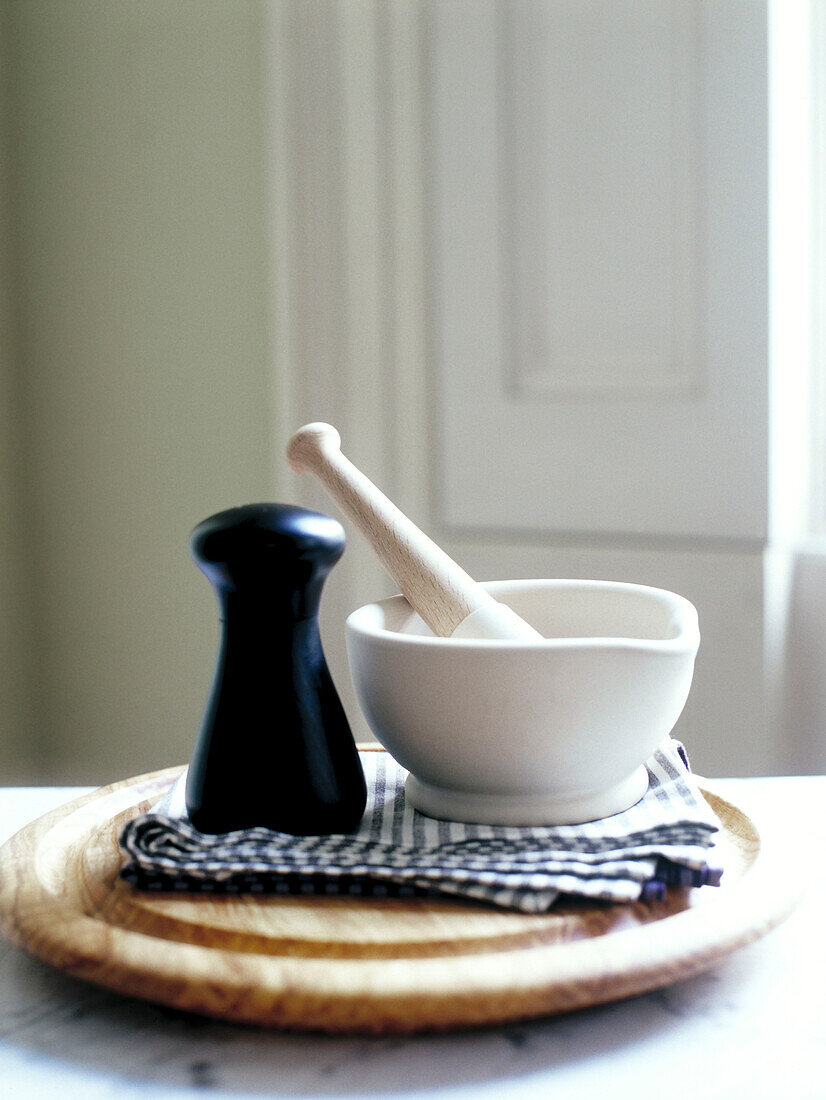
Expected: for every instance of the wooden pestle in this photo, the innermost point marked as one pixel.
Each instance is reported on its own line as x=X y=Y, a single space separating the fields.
x=446 y=598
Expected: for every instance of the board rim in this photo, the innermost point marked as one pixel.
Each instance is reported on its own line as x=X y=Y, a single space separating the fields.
x=385 y=995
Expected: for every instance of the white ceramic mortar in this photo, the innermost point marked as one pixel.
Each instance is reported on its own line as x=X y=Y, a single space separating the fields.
x=528 y=733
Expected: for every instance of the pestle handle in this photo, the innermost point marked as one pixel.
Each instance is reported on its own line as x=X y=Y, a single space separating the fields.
x=436 y=587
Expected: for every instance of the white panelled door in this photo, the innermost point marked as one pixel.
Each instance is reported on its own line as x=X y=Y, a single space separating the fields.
x=539 y=317
x=600 y=186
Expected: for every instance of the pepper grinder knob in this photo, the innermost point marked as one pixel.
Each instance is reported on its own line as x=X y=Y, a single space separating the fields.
x=274 y=747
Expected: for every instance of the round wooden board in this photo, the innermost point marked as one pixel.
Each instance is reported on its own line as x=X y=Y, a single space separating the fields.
x=357 y=965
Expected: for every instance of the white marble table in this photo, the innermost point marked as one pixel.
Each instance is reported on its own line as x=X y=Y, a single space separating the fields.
x=753 y=1028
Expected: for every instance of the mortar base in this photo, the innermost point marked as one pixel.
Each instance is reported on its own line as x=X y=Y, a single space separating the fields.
x=537 y=809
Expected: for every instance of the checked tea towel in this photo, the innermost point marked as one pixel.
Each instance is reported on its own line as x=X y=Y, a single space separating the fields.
x=666 y=839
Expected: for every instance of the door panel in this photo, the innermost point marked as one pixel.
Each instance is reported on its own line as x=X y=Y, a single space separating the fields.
x=599 y=177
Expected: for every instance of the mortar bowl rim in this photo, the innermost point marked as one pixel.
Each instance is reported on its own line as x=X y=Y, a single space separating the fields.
x=365 y=622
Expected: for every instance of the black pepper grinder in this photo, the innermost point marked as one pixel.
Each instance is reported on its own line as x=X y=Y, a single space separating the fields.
x=274 y=747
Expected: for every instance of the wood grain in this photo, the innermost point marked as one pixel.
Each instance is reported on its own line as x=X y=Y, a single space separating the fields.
x=357 y=965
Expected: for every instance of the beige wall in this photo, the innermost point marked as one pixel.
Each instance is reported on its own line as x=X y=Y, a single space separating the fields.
x=17 y=732
x=134 y=364
x=158 y=344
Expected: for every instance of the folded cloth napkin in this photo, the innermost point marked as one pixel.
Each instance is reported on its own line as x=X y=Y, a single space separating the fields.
x=664 y=840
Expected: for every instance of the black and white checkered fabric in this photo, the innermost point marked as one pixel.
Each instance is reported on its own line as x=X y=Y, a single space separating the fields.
x=665 y=839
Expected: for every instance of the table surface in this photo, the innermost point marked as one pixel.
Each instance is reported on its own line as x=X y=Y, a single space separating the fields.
x=752 y=1027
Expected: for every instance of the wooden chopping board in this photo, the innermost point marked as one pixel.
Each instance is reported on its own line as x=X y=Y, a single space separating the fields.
x=357 y=965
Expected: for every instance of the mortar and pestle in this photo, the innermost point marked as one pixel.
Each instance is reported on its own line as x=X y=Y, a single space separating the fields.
x=524 y=702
